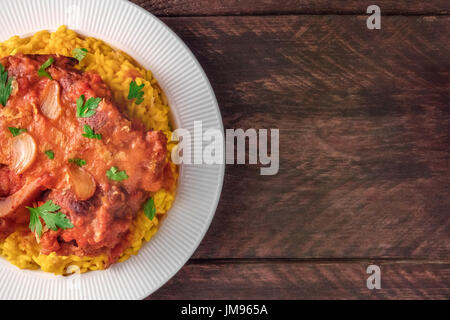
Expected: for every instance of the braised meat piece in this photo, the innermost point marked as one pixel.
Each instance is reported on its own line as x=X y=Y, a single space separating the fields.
x=51 y=158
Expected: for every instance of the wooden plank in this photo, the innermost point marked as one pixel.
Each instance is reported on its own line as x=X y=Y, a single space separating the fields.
x=326 y=280
x=365 y=145
x=263 y=7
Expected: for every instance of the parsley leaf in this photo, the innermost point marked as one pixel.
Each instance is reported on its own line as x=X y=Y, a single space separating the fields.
x=42 y=72
x=79 y=162
x=88 y=109
x=35 y=222
x=115 y=175
x=80 y=53
x=16 y=131
x=50 y=154
x=52 y=218
x=90 y=133
x=136 y=92
x=5 y=86
x=150 y=209
x=55 y=220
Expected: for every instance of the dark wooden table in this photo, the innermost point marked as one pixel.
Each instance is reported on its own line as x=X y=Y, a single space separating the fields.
x=364 y=118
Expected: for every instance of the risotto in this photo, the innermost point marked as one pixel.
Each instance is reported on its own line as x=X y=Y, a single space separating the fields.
x=118 y=71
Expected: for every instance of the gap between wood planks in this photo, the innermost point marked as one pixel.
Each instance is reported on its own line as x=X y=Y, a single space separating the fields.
x=219 y=8
x=315 y=261
x=356 y=13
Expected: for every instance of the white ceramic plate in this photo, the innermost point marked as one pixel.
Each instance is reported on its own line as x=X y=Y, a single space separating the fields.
x=135 y=31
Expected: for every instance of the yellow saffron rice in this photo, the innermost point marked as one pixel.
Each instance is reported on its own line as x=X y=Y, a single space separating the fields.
x=117 y=70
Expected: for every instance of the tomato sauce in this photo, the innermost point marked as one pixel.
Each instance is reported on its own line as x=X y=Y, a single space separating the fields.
x=101 y=222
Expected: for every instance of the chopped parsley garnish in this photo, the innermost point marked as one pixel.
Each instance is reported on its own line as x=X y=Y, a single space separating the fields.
x=50 y=154
x=52 y=218
x=90 y=133
x=136 y=92
x=79 y=162
x=80 y=54
x=5 y=86
x=88 y=109
x=116 y=175
x=150 y=209
x=16 y=131
x=42 y=71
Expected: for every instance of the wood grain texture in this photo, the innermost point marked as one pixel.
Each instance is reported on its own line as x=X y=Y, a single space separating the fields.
x=295 y=281
x=365 y=149
x=274 y=7
x=365 y=139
